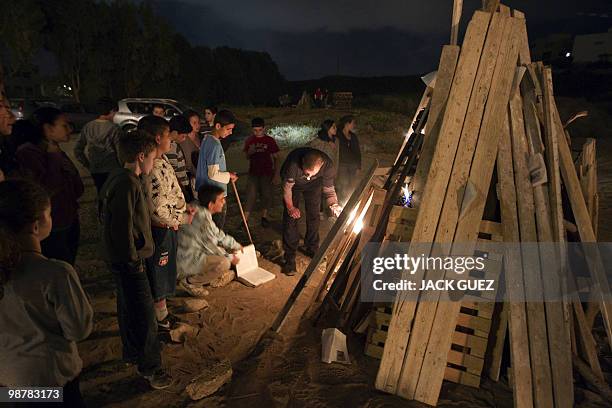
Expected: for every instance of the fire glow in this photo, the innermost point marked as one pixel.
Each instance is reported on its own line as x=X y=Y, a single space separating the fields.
x=406 y=197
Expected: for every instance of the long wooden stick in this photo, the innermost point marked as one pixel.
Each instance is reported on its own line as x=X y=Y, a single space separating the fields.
x=246 y=224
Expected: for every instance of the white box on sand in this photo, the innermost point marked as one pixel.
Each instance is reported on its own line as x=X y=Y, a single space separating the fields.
x=334 y=350
x=248 y=270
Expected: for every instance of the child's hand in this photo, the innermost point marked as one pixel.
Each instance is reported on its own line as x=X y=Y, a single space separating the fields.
x=233 y=177
x=235 y=260
x=294 y=212
x=191 y=212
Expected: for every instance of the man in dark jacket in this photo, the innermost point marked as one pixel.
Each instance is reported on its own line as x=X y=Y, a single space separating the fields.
x=310 y=173
x=128 y=241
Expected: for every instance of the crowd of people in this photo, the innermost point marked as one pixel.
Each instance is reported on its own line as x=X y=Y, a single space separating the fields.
x=161 y=194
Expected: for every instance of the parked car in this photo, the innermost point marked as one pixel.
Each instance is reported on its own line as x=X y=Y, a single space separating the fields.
x=23 y=108
x=78 y=114
x=132 y=109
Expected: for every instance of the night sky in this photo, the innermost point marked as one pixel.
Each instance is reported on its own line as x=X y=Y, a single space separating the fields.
x=314 y=38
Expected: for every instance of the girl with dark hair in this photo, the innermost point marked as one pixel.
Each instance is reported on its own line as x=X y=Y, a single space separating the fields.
x=349 y=163
x=209 y=118
x=43 y=308
x=191 y=145
x=326 y=140
x=43 y=161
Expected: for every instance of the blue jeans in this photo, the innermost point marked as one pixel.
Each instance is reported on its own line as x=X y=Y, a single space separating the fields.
x=161 y=266
x=136 y=316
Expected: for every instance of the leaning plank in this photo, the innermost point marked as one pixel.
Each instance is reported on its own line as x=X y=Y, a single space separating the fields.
x=449 y=216
x=456 y=19
x=588 y=179
x=515 y=290
x=432 y=373
x=425 y=99
x=437 y=181
x=585 y=230
x=444 y=79
x=552 y=156
x=588 y=347
x=536 y=319
x=551 y=269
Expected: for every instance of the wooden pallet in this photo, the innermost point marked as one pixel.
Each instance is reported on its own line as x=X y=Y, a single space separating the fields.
x=466 y=357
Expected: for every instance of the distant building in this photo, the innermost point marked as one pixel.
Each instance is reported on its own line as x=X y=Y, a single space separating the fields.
x=553 y=49
x=593 y=48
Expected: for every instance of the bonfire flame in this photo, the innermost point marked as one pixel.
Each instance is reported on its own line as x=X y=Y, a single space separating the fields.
x=359 y=223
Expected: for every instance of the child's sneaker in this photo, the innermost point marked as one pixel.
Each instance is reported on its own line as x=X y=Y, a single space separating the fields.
x=159 y=380
x=170 y=322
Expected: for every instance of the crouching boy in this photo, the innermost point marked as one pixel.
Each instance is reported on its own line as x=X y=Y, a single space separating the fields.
x=128 y=242
x=205 y=253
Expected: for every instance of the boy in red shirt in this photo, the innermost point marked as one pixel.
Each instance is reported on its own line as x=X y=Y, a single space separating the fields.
x=264 y=169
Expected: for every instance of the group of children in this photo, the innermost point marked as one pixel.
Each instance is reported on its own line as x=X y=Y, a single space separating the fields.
x=162 y=201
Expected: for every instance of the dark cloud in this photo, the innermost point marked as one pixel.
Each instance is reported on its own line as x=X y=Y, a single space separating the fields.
x=313 y=38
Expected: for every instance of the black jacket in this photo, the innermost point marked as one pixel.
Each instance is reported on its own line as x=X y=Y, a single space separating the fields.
x=350 y=151
x=127 y=224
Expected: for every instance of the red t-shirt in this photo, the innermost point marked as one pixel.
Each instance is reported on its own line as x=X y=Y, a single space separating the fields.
x=261 y=163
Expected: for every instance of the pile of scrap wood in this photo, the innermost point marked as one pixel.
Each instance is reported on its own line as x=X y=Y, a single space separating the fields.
x=487 y=159
x=492 y=113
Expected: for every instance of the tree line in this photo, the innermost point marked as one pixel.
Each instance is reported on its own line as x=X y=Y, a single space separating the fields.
x=120 y=48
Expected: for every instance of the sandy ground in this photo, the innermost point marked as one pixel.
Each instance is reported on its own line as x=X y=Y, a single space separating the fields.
x=285 y=373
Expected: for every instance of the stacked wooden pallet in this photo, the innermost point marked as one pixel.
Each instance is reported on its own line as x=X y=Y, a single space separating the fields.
x=492 y=109
x=466 y=356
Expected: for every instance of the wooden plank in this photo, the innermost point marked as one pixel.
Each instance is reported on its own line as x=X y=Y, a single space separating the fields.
x=516 y=315
x=456 y=19
x=587 y=173
x=504 y=10
x=425 y=99
x=425 y=312
x=559 y=344
x=585 y=229
x=441 y=167
x=467 y=226
x=552 y=156
x=559 y=331
x=536 y=320
x=588 y=347
x=491 y=227
x=497 y=350
x=476 y=323
x=472 y=364
x=524 y=53
x=444 y=79
x=461 y=377
x=483 y=308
